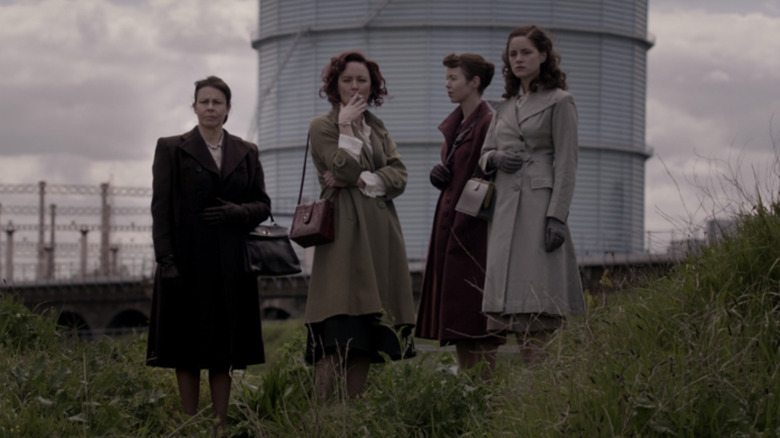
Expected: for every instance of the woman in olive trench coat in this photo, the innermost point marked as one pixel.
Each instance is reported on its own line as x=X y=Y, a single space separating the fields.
x=360 y=302
x=205 y=307
x=532 y=280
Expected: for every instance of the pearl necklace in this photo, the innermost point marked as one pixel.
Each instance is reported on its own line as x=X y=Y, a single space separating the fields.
x=217 y=146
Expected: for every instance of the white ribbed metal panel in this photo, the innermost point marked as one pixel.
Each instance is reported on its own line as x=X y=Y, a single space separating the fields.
x=603 y=44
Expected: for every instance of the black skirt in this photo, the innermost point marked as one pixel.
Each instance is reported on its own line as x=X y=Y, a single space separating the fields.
x=362 y=335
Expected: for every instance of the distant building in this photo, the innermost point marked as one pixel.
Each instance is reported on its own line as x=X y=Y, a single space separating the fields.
x=604 y=47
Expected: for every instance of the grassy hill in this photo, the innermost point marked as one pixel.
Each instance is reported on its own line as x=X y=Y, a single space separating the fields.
x=693 y=354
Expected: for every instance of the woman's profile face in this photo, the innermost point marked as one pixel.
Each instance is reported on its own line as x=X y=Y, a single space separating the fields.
x=459 y=89
x=355 y=79
x=211 y=107
x=524 y=59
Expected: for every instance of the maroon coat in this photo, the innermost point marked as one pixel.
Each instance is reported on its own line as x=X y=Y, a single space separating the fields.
x=451 y=295
x=208 y=317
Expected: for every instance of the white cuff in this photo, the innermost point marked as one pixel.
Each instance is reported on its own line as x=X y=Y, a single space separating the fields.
x=375 y=186
x=351 y=145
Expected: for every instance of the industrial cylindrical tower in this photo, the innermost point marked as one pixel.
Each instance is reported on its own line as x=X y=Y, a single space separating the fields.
x=603 y=44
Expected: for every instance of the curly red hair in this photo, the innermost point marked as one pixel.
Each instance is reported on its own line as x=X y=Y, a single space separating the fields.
x=337 y=65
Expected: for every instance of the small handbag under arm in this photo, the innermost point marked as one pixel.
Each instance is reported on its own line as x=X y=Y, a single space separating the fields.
x=313 y=222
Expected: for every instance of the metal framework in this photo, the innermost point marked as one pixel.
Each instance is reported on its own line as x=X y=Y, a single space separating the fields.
x=44 y=252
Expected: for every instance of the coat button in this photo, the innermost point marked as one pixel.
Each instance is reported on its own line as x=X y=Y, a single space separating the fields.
x=381 y=204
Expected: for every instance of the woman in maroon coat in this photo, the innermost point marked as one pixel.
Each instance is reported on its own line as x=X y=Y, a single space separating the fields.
x=451 y=296
x=208 y=192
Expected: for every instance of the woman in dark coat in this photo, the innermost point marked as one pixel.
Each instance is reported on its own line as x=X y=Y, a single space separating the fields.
x=208 y=192
x=451 y=295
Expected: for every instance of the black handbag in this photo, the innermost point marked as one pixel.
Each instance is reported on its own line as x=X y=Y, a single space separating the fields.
x=269 y=252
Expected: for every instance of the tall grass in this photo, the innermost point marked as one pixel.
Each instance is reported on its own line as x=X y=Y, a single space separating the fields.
x=692 y=354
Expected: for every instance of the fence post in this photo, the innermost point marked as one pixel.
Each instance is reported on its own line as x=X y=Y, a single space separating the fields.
x=105 y=219
x=40 y=269
x=9 y=252
x=84 y=230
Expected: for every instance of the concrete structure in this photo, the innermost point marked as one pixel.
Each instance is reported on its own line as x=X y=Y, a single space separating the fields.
x=603 y=44
x=115 y=305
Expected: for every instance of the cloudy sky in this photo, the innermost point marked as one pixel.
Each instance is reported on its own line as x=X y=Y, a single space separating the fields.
x=87 y=86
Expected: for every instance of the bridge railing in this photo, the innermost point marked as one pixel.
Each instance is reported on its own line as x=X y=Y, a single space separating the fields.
x=70 y=271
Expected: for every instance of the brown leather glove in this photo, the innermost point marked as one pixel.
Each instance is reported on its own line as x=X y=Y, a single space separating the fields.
x=440 y=176
x=167 y=266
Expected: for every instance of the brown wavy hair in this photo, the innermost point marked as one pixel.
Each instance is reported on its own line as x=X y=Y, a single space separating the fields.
x=550 y=74
x=472 y=65
x=337 y=65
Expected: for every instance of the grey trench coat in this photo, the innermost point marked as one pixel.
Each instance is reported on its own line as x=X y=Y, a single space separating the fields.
x=521 y=276
x=365 y=269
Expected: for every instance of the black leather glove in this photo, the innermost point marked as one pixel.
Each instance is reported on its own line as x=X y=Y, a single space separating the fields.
x=507 y=161
x=440 y=176
x=168 y=267
x=555 y=234
x=225 y=213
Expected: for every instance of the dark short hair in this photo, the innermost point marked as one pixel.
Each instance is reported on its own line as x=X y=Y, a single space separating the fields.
x=472 y=65
x=214 y=82
x=550 y=73
x=337 y=65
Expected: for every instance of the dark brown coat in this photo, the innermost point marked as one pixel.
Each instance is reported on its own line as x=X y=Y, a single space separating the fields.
x=208 y=317
x=451 y=295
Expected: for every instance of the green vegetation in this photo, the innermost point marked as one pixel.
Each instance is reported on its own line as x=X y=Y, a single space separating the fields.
x=693 y=354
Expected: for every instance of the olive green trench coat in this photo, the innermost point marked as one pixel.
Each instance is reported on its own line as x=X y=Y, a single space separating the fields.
x=365 y=269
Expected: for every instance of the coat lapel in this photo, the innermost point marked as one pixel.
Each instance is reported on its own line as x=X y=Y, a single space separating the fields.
x=454 y=133
x=506 y=110
x=467 y=131
x=378 y=134
x=535 y=103
x=233 y=153
x=365 y=151
x=448 y=127
x=194 y=145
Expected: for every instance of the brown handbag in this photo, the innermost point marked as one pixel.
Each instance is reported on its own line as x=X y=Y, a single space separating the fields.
x=313 y=222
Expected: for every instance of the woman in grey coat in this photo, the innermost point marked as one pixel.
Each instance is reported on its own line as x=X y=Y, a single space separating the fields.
x=532 y=281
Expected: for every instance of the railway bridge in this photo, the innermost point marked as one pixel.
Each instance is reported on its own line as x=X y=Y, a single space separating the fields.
x=114 y=305
x=105 y=286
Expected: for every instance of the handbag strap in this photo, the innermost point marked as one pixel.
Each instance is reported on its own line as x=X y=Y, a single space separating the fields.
x=458 y=140
x=303 y=174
